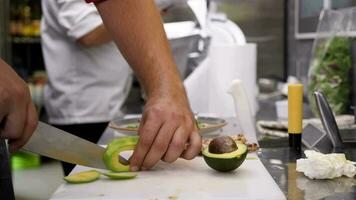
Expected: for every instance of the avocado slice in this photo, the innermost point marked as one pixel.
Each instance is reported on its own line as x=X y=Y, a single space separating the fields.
x=113 y=150
x=227 y=161
x=120 y=175
x=83 y=177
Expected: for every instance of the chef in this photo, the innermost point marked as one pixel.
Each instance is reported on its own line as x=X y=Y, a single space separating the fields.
x=88 y=78
x=86 y=92
x=167 y=124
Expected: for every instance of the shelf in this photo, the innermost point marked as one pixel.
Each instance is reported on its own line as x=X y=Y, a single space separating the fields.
x=25 y=40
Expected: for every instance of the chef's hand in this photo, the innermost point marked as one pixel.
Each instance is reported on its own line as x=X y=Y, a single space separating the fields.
x=18 y=118
x=166 y=128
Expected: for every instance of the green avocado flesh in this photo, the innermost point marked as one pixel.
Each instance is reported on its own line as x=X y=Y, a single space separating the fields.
x=83 y=177
x=227 y=161
x=120 y=175
x=113 y=150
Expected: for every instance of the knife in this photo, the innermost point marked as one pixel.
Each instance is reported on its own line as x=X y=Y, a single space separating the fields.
x=55 y=143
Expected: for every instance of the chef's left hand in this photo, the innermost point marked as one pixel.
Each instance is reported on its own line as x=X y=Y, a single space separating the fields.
x=166 y=128
x=18 y=117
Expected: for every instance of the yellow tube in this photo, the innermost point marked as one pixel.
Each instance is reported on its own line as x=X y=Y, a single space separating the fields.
x=295 y=108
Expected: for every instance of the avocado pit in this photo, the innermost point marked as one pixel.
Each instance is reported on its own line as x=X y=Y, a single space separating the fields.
x=223 y=144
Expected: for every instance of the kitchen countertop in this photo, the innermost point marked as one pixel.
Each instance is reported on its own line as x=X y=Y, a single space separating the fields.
x=280 y=163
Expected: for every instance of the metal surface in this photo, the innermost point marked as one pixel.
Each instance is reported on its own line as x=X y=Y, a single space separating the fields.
x=263 y=27
x=281 y=164
x=55 y=143
x=328 y=119
x=317 y=139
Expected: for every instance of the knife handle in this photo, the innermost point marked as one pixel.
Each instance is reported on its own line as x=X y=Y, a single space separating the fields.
x=6 y=188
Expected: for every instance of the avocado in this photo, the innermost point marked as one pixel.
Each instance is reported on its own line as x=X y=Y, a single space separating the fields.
x=113 y=150
x=83 y=177
x=228 y=161
x=120 y=175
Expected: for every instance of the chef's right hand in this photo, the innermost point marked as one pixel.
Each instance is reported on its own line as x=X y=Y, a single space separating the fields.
x=18 y=118
x=167 y=131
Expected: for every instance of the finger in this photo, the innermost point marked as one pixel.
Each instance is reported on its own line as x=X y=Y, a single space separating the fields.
x=4 y=110
x=31 y=124
x=15 y=121
x=177 y=145
x=147 y=134
x=160 y=145
x=194 y=148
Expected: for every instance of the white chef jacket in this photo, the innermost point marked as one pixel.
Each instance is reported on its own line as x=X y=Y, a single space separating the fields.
x=86 y=85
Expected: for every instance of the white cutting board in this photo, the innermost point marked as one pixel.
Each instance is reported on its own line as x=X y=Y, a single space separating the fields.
x=181 y=180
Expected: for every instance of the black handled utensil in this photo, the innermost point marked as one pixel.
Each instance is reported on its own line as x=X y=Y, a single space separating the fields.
x=328 y=120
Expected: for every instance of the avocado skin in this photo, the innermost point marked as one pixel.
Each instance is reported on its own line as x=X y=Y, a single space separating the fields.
x=225 y=165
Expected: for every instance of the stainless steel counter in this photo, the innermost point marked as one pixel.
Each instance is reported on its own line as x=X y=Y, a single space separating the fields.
x=280 y=162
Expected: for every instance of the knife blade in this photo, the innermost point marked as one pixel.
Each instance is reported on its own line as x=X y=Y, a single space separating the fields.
x=55 y=143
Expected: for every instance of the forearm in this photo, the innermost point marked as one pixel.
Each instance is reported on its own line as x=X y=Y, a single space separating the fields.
x=137 y=29
x=96 y=37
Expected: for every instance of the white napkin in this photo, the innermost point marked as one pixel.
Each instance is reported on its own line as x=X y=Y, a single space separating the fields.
x=325 y=166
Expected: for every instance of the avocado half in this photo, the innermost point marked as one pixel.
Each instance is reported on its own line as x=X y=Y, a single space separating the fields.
x=113 y=150
x=227 y=161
